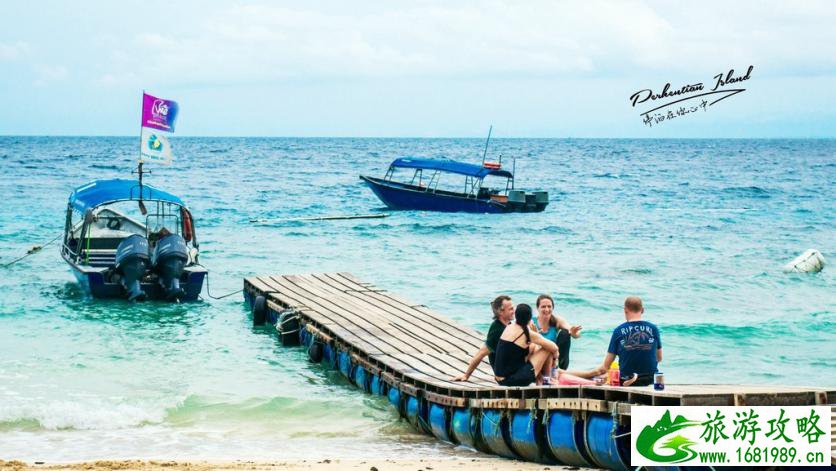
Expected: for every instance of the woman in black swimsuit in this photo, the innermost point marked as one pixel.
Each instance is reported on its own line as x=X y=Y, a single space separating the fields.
x=516 y=362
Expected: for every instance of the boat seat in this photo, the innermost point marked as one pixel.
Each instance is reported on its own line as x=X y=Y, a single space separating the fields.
x=516 y=196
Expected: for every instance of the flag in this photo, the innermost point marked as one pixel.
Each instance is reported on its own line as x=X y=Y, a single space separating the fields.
x=158 y=113
x=154 y=146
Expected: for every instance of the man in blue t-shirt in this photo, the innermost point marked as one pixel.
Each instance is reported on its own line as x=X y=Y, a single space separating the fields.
x=637 y=345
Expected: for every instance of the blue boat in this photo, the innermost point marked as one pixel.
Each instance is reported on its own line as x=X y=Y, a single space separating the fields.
x=125 y=239
x=436 y=185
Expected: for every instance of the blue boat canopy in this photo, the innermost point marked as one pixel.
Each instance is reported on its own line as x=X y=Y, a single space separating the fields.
x=451 y=166
x=100 y=192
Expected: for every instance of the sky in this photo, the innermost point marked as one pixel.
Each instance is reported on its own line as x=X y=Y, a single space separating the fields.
x=539 y=68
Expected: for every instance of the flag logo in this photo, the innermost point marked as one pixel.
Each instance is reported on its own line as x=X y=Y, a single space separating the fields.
x=155 y=147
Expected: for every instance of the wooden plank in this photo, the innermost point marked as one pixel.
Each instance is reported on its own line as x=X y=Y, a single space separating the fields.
x=466 y=340
x=419 y=351
x=445 y=400
x=351 y=337
x=360 y=327
x=374 y=325
x=429 y=334
x=502 y=403
x=592 y=405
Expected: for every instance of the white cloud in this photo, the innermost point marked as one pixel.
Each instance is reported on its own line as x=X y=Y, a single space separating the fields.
x=254 y=42
x=49 y=73
x=12 y=51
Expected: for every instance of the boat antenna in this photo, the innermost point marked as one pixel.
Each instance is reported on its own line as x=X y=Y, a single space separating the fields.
x=485 y=153
x=513 y=169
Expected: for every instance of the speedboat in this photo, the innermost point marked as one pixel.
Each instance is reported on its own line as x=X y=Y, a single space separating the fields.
x=436 y=185
x=125 y=239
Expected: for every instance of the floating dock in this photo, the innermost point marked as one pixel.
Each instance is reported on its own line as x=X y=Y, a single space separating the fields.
x=389 y=346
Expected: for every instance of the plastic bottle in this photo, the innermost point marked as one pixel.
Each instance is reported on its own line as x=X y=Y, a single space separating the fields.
x=614 y=375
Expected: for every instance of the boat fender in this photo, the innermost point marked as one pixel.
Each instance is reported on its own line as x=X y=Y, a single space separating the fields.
x=811 y=261
x=289 y=328
x=187 y=224
x=259 y=310
x=315 y=352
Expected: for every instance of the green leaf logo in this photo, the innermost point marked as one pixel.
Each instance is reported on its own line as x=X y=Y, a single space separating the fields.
x=681 y=446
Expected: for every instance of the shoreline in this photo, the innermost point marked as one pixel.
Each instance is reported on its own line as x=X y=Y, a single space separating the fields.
x=466 y=464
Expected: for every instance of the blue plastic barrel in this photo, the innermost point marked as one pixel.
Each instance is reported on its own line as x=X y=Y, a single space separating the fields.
x=377 y=386
x=411 y=411
x=440 y=422
x=494 y=431
x=565 y=439
x=418 y=413
x=327 y=355
x=464 y=427
x=361 y=378
x=303 y=333
x=527 y=439
x=395 y=399
x=603 y=448
x=345 y=365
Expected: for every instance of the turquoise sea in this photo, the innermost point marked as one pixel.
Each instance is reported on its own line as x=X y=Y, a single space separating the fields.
x=699 y=228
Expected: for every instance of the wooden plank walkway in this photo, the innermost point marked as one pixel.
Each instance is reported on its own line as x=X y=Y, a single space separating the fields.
x=419 y=351
x=420 y=347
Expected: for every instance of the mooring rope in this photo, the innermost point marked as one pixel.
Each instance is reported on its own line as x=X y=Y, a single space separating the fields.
x=207 y=287
x=35 y=249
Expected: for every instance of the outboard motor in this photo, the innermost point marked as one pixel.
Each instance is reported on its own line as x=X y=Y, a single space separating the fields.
x=132 y=262
x=170 y=256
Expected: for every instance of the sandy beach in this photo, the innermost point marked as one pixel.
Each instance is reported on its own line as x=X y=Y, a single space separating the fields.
x=473 y=464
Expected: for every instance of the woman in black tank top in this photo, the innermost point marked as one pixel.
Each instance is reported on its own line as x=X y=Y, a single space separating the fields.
x=520 y=365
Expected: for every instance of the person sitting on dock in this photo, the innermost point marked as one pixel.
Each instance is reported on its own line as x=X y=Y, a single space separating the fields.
x=555 y=328
x=637 y=344
x=503 y=313
x=516 y=363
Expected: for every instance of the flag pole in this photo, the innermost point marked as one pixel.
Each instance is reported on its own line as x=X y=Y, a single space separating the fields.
x=139 y=166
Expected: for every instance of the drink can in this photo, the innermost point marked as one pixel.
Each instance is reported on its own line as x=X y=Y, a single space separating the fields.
x=547 y=380
x=659 y=381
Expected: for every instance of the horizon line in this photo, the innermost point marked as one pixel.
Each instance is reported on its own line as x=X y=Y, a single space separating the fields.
x=423 y=137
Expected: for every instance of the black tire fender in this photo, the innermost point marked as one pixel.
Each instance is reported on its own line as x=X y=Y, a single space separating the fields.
x=259 y=310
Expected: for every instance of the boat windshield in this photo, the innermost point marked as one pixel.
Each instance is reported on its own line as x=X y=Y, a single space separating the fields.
x=111 y=223
x=496 y=185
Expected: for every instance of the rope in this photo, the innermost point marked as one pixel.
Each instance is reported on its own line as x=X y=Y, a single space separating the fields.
x=35 y=249
x=218 y=297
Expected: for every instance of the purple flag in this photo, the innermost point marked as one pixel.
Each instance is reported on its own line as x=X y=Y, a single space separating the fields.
x=158 y=113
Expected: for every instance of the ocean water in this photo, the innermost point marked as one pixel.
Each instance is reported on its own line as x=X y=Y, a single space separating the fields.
x=699 y=228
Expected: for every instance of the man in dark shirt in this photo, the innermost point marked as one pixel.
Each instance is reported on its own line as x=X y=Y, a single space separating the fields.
x=503 y=314
x=637 y=345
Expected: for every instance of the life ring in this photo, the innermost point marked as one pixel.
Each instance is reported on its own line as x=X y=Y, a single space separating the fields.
x=188 y=229
x=114 y=224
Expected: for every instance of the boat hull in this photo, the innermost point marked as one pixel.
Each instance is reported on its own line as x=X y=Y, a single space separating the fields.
x=93 y=282
x=400 y=196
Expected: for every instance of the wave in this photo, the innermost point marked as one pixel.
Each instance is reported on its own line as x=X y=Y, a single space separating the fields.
x=558 y=230
x=748 y=191
x=77 y=415
x=105 y=415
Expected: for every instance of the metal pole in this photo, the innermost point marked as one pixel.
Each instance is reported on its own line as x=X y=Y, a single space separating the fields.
x=485 y=153
x=513 y=170
x=139 y=167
